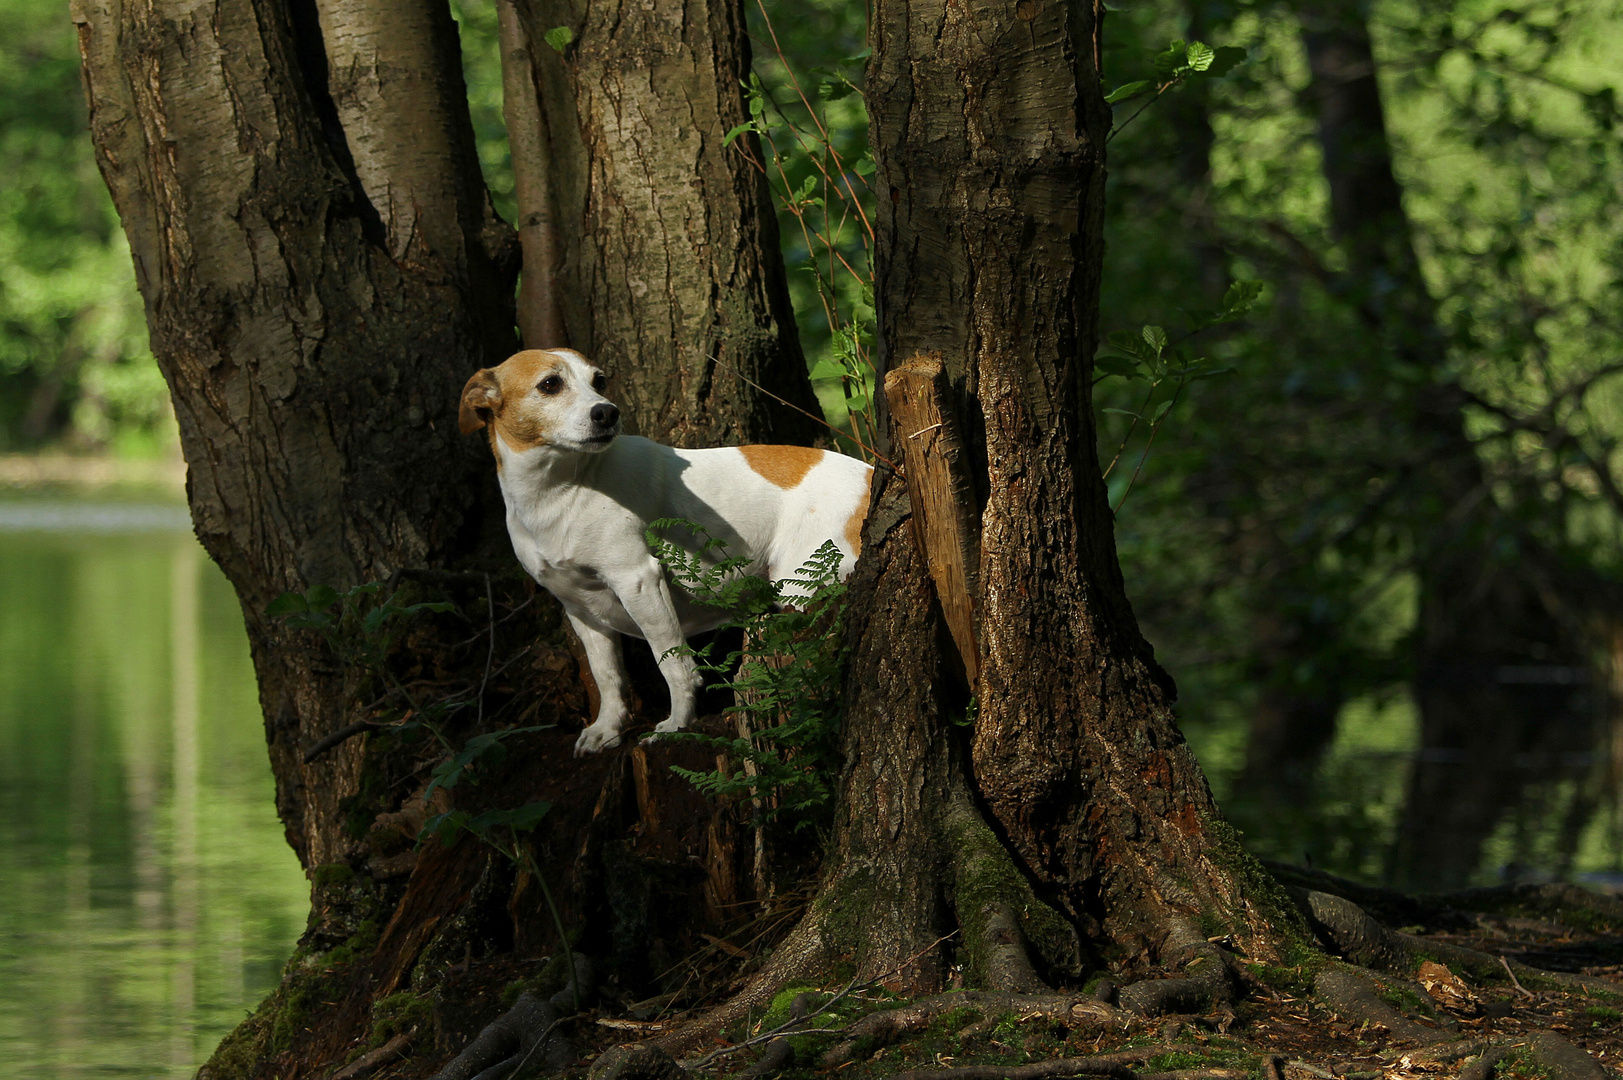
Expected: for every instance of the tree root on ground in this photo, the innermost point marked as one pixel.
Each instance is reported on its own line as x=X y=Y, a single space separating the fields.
x=1205 y=982
x=1373 y=987
x=1353 y=995
x=1351 y=931
x=1116 y=1063
x=527 y=1032
x=877 y=1029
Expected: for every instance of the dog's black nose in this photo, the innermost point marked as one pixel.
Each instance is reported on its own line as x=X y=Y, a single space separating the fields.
x=605 y=414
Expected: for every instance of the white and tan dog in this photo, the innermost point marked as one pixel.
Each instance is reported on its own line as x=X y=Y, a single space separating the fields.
x=580 y=495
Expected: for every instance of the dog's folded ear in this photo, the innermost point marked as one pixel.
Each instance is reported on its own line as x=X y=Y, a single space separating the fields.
x=481 y=400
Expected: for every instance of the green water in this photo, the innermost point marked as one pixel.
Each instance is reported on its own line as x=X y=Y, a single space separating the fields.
x=147 y=897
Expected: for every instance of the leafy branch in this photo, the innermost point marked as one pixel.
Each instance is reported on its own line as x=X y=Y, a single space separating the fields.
x=1149 y=357
x=1178 y=63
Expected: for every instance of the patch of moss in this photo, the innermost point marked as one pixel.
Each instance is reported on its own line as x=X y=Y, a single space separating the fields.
x=297 y=997
x=396 y=1015
x=1403 y=999
x=359 y=944
x=956 y=1019
x=985 y=877
x=1521 y=1064
x=331 y=876
x=1178 y=1059
x=1291 y=980
x=240 y=1053
x=1293 y=938
x=1603 y=1014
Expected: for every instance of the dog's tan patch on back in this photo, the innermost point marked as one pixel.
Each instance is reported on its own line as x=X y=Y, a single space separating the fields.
x=853 y=527
x=785 y=466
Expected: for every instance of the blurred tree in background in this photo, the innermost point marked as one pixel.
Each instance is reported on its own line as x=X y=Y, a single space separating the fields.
x=74 y=365
x=1394 y=526
x=1406 y=497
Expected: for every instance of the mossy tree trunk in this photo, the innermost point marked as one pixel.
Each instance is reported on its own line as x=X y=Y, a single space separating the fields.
x=322 y=271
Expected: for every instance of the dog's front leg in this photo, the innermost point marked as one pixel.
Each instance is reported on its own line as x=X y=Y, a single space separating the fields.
x=647 y=599
x=609 y=672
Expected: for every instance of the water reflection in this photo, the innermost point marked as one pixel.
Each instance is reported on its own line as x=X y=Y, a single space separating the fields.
x=147 y=898
x=1541 y=809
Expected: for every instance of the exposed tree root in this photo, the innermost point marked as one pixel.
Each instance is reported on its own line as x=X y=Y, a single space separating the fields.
x=1354 y=996
x=1354 y=934
x=779 y=1052
x=527 y=1032
x=1557 y=901
x=1562 y=1060
x=1205 y=981
x=1481 y=1067
x=373 y=1060
x=1117 y=1063
x=802 y=954
x=889 y=1025
x=997 y=909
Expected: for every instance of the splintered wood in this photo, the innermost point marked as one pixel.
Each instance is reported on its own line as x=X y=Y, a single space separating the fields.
x=945 y=518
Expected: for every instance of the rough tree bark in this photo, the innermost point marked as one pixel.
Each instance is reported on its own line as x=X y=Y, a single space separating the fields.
x=322 y=271
x=1058 y=819
x=1496 y=633
x=670 y=263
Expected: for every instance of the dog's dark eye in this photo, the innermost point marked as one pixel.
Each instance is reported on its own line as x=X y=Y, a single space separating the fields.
x=599 y=381
x=550 y=385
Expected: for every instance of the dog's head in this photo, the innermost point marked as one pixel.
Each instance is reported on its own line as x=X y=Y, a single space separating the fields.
x=551 y=397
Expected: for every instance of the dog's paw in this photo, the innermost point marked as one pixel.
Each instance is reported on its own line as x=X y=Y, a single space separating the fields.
x=596 y=739
x=664 y=727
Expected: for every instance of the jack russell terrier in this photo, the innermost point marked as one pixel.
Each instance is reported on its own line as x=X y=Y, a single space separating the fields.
x=580 y=496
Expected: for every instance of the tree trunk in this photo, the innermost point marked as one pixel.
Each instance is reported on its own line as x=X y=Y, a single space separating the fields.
x=1060 y=806
x=1486 y=620
x=671 y=276
x=322 y=271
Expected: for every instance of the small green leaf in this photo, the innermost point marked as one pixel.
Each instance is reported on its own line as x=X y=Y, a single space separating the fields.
x=825 y=369
x=1171 y=62
x=1240 y=298
x=322 y=597
x=736 y=132
x=528 y=817
x=1126 y=343
x=559 y=37
x=834 y=89
x=1127 y=90
x=1199 y=55
x=1160 y=411
x=864 y=166
x=1155 y=338
x=1122 y=412
x=374 y=622
x=288 y=603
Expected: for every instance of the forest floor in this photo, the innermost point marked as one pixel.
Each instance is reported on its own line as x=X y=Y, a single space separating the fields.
x=1441 y=1025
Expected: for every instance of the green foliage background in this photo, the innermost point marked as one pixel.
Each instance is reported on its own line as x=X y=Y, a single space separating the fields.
x=74 y=365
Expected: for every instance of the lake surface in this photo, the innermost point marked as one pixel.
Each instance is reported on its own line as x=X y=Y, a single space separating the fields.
x=147 y=897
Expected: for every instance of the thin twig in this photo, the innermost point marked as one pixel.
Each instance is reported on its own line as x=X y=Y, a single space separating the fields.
x=1159 y=91
x=865 y=449
x=1519 y=987
x=490 y=655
